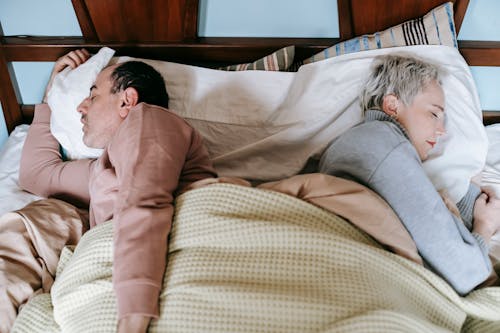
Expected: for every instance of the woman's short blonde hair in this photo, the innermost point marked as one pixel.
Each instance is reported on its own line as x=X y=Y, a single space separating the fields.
x=403 y=75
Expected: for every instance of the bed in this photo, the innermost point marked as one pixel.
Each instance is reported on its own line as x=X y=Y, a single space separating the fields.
x=283 y=251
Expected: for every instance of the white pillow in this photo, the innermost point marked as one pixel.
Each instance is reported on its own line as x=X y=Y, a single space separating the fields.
x=491 y=174
x=69 y=89
x=265 y=125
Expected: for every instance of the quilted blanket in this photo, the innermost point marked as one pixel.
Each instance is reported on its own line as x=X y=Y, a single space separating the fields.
x=243 y=259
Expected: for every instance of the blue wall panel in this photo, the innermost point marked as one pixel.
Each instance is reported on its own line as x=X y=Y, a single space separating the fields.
x=264 y=18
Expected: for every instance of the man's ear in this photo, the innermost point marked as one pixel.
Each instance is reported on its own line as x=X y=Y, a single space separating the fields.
x=129 y=99
x=390 y=104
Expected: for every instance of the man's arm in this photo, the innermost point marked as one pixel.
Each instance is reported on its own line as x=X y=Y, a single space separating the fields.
x=149 y=153
x=42 y=170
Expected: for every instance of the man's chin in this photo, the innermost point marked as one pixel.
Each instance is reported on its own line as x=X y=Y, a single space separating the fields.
x=89 y=143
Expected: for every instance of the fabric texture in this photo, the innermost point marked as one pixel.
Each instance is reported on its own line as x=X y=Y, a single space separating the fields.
x=280 y=60
x=437 y=27
x=153 y=154
x=342 y=197
x=31 y=241
x=243 y=259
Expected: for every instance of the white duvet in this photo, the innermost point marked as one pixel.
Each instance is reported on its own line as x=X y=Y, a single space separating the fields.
x=266 y=125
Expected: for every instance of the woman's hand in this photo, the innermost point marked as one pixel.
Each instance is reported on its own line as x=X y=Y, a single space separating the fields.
x=487 y=214
x=73 y=59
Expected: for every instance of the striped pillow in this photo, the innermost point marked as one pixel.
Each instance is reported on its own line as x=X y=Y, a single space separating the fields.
x=280 y=60
x=434 y=28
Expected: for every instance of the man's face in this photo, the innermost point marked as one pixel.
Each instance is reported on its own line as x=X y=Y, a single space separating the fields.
x=100 y=111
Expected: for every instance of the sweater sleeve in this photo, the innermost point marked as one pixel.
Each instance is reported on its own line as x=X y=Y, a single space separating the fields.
x=149 y=152
x=42 y=170
x=466 y=205
x=443 y=241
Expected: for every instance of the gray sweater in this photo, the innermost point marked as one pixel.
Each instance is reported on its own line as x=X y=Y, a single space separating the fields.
x=378 y=154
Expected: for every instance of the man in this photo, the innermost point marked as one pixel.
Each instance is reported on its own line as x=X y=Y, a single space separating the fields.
x=149 y=155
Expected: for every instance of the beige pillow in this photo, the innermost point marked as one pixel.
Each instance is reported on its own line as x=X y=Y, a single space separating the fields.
x=280 y=60
x=434 y=28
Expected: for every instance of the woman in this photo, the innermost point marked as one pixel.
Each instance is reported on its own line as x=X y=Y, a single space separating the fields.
x=404 y=110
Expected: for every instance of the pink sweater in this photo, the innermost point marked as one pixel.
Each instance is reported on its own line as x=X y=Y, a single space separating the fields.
x=153 y=155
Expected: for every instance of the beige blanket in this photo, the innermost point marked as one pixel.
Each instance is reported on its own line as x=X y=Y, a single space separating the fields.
x=253 y=260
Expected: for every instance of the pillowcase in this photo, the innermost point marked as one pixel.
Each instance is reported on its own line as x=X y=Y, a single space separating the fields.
x=280 y=60
x=491 y=174
x=266 y=125
x=434 y=28
x=69 y=89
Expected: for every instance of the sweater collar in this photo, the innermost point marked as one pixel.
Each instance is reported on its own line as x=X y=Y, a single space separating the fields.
x=372 y=115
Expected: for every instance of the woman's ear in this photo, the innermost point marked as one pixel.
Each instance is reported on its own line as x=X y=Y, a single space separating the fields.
x=390 y=104
x=129 y=99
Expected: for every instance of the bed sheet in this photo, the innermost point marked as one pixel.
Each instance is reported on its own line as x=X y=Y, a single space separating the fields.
x=11 y=195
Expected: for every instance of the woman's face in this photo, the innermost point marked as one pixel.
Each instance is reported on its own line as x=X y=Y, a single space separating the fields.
x=423 y=119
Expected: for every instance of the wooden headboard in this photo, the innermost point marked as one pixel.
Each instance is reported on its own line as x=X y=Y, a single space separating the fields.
x=167 y=30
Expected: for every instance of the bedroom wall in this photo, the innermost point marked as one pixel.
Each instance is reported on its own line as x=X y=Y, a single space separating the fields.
x=231 y=18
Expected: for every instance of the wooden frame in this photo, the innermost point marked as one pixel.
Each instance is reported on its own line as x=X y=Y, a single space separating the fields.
x=184 y=45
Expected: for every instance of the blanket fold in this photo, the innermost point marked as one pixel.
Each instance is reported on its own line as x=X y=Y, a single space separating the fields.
x=31 y=240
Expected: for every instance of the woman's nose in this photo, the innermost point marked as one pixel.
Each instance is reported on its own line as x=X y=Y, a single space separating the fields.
x=440 y=130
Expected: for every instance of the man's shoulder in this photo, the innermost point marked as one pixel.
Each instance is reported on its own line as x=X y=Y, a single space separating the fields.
x=157 y=116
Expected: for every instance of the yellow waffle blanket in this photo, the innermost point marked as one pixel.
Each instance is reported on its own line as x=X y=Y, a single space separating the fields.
x=243 y=259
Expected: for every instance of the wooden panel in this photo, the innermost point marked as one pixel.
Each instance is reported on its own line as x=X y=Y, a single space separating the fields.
x=480 y=53
x=204 y=50
x=460 y=8
x=375 y=15
x=491 y=117
x=8 y=97
x=10 y=104
x=85 y=21
x=143 y=20
x=346 y=30
x=217 y=49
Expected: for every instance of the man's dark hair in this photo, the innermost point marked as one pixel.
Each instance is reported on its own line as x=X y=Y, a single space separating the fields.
x=144 y=78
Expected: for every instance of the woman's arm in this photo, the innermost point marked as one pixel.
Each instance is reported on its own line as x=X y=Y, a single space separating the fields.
x=393 y=170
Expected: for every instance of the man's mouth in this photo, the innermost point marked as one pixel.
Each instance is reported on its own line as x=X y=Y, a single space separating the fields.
x=431 y=143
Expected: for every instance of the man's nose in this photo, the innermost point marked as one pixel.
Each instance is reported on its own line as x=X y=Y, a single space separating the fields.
x=82 y=107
